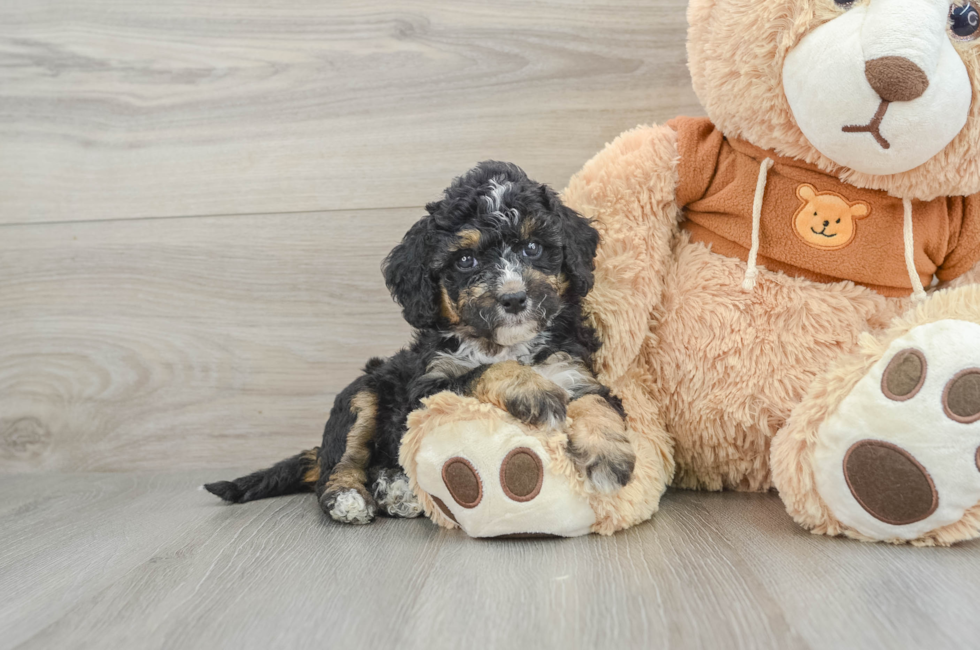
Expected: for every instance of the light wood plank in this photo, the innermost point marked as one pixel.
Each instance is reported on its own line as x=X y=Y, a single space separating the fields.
x=64 y=538
x=118 y=110
x=181 y=343
x=675 y=582
x=90 y=560
x=845 y=594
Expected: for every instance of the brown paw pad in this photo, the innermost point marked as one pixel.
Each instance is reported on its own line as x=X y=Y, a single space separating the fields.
x=961 y=397
x=444 y=508
x=889 y=483
x=521 y=474
x=463 y=482
x=904 y=376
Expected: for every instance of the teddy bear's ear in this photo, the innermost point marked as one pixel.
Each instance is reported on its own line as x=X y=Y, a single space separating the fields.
x=806 y=192
x=859 y=210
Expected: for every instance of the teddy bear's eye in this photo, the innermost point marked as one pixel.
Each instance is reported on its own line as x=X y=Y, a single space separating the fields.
x=844 y=4
x=838 y=221
x=964 y=22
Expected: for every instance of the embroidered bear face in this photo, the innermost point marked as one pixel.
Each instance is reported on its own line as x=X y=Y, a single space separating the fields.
x=827 y=220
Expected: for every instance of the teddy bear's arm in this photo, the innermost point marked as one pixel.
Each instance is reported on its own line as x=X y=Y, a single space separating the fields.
x=629 y=189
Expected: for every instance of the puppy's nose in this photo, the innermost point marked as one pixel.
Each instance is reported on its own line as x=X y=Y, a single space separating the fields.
x=896 y=79
x=513 y=303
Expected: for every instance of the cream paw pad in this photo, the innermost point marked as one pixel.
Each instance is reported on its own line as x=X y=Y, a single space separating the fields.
x=475 y=468
x=901 y=455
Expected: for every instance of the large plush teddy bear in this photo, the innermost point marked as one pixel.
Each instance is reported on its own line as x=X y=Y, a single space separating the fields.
x=786 y=292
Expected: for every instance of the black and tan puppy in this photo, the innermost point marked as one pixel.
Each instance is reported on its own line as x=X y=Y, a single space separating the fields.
x=492 y=279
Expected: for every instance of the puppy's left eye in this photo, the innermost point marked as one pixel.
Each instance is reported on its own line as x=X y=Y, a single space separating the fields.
x=466 y=262
x=532 y=250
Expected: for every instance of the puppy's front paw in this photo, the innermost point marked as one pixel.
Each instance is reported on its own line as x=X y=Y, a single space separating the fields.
x=538 y=405
x=608 y=475
x=598 y=444
x=523 y=393
x=393 y=494
x=349 y=505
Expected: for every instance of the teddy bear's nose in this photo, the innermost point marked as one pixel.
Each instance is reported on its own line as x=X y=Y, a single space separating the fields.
x=896 y=79
x=826 y=223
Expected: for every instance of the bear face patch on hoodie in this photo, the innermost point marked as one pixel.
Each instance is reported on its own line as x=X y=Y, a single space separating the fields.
x=812 y=224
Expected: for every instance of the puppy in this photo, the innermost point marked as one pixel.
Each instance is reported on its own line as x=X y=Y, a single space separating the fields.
x=492 y=280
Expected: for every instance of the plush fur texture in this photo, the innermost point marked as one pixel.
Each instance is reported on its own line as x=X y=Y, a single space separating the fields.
x=792 y=461
x=613 y=511
x=736 y=51
x=723 y=369
x=492 y=279
x=728 y=387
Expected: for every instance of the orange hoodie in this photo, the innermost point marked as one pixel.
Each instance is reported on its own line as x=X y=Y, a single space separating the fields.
x=812 y=224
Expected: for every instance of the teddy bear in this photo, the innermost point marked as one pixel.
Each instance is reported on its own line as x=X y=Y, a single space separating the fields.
x=787 y=291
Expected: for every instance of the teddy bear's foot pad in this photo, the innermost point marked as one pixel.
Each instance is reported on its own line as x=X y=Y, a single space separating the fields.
x=901 y=456
x=496 y=483
x=889 y=483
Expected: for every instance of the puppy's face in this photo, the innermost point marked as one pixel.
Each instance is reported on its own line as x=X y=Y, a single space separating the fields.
x=500 y=278
x=498 y=259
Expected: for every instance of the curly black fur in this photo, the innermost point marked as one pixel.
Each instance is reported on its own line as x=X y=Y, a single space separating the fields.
x=494 y=234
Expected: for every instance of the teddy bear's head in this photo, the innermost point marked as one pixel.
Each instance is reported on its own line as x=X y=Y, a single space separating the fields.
x=881 y=92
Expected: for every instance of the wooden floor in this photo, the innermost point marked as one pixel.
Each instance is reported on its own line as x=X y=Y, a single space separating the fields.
x=195 y=198
x=146 y=561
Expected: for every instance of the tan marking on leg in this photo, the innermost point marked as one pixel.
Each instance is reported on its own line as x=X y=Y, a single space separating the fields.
x=312 y=475
x=351 y=471
x=598 y=443
x=522 y=392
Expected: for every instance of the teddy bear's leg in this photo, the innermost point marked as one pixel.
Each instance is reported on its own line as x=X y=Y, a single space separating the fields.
x=475 y=466
x=886 y=445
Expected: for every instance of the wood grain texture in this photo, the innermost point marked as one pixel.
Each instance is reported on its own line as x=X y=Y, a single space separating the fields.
x=180 y=343
x=89 y=560
x=146 y=108
x=139 y=334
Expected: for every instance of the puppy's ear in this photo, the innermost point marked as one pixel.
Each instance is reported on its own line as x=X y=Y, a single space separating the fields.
x=579 y=243
x=409 y=279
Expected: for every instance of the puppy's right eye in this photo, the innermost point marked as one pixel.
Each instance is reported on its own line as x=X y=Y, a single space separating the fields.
x=466 y=262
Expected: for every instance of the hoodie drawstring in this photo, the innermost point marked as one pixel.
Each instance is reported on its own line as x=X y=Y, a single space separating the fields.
x=752 y=271
x=918 y=293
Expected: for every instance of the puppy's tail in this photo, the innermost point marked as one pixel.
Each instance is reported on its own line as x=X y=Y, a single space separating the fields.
x=297 y=474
